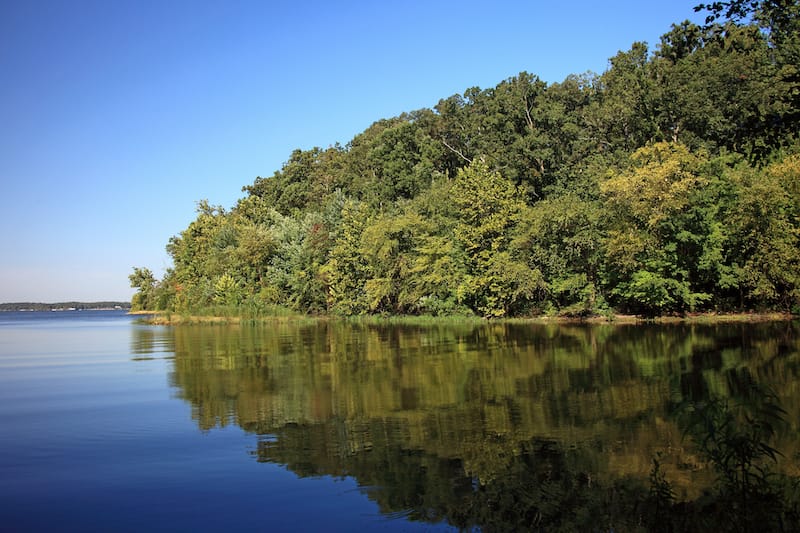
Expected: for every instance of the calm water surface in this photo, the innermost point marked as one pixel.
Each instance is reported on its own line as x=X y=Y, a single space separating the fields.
x=109 y=424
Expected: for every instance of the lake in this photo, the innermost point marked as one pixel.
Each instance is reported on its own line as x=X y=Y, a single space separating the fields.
x=110 y=424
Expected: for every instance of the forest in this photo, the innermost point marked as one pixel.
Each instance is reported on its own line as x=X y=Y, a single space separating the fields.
x=668 y=184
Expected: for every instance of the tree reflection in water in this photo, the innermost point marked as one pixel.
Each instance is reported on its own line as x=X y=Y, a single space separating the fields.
x=501 y=426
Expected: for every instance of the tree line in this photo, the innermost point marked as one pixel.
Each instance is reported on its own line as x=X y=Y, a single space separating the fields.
x=59 y=306
x=668 y=184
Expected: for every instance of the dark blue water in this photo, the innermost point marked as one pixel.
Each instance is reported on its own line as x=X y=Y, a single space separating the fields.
x=94 y=438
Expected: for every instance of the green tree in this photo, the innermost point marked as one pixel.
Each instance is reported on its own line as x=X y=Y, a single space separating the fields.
x=766 y=229
x=227 y=291
x=728 y=92
x=438 y=264
x=144 y=281
x=562 y=237
x=656 y=237
x=387 y=246
x=345 y=271
x=306 y=180
x=497 y=282
x=627 y=115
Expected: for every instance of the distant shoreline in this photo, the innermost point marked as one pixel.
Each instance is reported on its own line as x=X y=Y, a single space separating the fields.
x=22 y=307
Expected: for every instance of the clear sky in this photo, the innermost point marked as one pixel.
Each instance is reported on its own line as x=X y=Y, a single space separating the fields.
x=116 y=117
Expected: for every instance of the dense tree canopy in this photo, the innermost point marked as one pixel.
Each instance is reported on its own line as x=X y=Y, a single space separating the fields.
x=670 y=183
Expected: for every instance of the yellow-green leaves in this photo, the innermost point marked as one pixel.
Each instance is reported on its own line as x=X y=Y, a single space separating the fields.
x=658 y=228
x=226 y=290
x=767 y=225
x=489 y=207
x=345 y=271
x=658 y=184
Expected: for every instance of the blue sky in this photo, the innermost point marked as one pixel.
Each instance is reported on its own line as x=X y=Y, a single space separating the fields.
x=116 y=117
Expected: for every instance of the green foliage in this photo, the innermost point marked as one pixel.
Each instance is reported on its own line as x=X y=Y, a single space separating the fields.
x=496 y=282
x=767 y=227
x=561 y=237
x=345 y=272
x=667 y=184
x=666 y=242
x=434 y=275
x=226 y=291
x=309 y=176
x=144 y=281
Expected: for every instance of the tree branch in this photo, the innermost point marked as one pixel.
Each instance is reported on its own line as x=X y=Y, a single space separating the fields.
x=457 y=152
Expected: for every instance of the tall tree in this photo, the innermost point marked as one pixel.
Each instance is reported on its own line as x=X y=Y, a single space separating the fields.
x=497 y=281
x=144 y=281
x=345 y=271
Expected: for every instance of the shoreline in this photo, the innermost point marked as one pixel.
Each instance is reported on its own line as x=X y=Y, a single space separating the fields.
x=165 y=318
